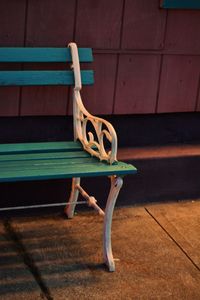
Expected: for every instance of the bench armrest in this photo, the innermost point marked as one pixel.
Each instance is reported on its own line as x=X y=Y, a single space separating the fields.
x=93 y=142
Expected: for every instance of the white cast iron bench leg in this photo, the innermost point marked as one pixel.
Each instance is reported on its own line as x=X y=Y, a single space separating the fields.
x=69 y=210
x=116 y=184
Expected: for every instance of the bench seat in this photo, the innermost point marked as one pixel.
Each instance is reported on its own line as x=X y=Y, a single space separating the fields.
x=53 y=160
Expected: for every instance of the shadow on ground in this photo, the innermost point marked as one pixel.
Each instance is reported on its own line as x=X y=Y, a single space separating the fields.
x=51 y=257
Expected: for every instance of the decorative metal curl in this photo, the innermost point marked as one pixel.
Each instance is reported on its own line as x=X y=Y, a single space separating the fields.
x=95 y=147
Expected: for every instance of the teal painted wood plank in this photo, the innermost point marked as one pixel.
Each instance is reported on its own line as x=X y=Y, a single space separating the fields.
x=23 y=78
x=181 y=4
x=45 y=163
x=95 y=168
x=39 y=147
x=43 y=55
x=43 y=156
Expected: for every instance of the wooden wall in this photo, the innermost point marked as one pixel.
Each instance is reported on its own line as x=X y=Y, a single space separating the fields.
x=147 y=59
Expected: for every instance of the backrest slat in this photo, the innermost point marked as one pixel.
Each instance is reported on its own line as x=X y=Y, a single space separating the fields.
x=43 y=54
x=20 y=78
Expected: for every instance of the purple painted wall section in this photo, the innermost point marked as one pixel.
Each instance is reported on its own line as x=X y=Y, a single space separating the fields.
x=147 y=59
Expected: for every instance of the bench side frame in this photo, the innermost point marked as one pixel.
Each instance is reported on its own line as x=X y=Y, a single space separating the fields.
x=82 y=118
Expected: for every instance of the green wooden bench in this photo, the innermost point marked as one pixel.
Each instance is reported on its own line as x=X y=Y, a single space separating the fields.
x=83 y=157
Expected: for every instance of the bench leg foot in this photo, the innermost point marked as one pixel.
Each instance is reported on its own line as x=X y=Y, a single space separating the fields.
x=116 y=184
x=69 y=209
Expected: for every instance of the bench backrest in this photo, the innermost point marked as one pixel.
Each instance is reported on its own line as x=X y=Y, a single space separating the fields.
x=43 y=77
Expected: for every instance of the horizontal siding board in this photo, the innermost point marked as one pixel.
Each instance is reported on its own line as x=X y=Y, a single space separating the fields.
x=43 y=54
x=144 y=25
x=137 y=84
x=179 y=83
x=98 y=23
x=12 y=78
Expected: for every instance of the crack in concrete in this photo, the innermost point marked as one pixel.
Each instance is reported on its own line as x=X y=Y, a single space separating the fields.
x=171 y=237
x=27 y=259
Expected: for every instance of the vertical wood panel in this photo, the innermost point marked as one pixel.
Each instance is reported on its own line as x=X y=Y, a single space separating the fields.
x=99 y=23
x=48 y=100
x=179 y=83
x=45 y=100
x=183 y=28
x=144 y=25
x=137 y=84
x=12 y=20
x=98 y=99
x=9 y=101
x=49 y=23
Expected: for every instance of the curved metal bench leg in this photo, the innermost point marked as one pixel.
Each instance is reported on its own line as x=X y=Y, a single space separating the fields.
x=116 y=184
x=69 y=209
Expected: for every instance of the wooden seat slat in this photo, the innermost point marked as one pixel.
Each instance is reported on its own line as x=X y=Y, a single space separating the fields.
x=45 y=155
x=40 y=147
x=46 y=163
x=91 y=167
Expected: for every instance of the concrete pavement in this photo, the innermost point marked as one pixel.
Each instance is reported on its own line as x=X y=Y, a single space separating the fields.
x=50 y=257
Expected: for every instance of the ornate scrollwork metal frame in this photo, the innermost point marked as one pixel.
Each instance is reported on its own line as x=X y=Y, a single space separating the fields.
x=95 y=147
x=92 y=142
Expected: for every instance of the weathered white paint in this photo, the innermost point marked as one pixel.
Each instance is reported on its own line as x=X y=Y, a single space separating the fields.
x=116 y=184
x=70 y=207
x=91 y=201
x=76 y=66
x=102 y=128
x=82 y=117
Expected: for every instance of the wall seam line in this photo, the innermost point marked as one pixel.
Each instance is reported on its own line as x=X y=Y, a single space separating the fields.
x=73 y=37
x=118 y=56
x=161 y=65
x=159 y=81
x=197 y=95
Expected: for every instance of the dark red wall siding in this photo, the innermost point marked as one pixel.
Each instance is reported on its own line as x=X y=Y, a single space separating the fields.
x=49 y=22
x=137 y=84
x=183 y=28
x=12 y=28
x=100 y=97
x=144 y=25
x=147 y=59
x=179 y=83
x=99 y=23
